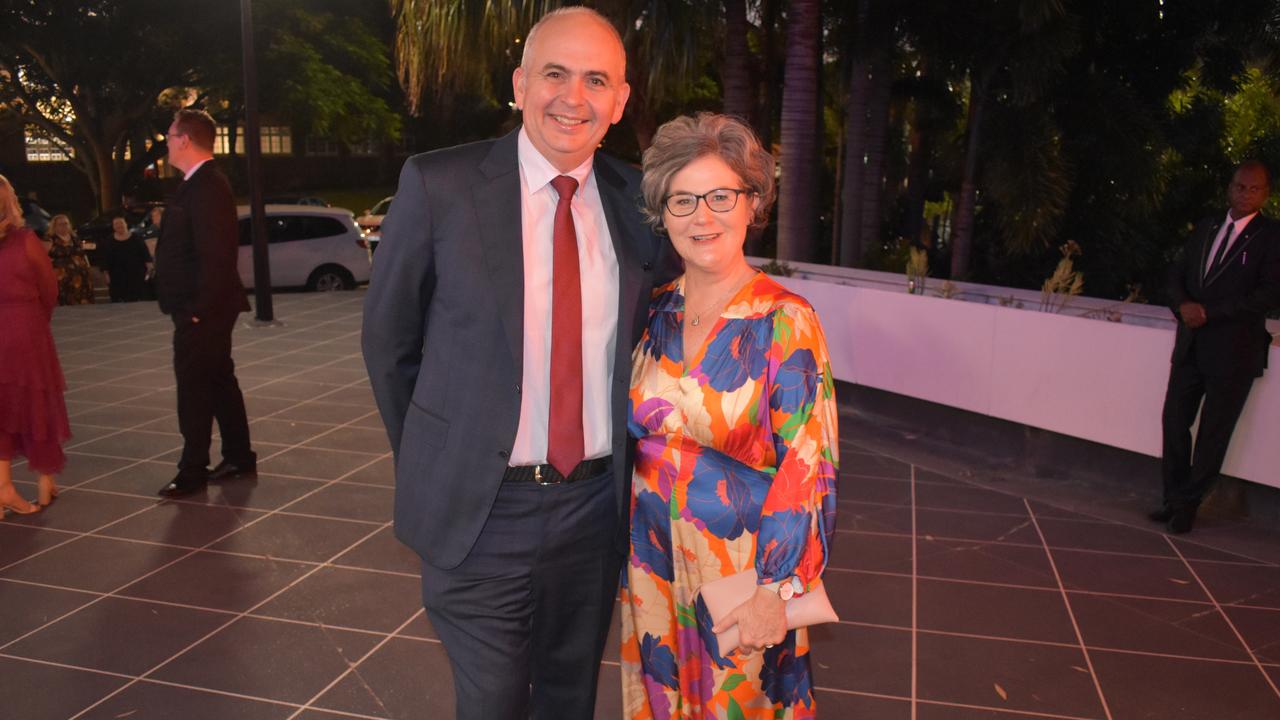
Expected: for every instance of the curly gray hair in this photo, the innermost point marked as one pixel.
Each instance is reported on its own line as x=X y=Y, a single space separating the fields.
x=685 y=139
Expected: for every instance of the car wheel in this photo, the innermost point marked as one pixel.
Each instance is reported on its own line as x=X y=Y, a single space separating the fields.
x=330 y=277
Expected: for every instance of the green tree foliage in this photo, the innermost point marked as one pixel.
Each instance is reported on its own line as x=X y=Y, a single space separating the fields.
x=90 y=75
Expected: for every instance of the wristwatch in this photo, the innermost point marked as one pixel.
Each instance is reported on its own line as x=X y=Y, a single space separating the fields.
x=786 y=589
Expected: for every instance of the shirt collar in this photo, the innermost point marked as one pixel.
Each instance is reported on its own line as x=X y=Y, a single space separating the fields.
x=194 y=168
x=539 y=172
x=1242 y=222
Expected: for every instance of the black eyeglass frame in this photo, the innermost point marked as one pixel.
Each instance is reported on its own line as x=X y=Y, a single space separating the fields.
x=737 y=192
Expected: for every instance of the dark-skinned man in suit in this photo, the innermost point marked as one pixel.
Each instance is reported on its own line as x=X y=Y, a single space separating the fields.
x=509 y=289
x=1223 y=285
x=199 y=287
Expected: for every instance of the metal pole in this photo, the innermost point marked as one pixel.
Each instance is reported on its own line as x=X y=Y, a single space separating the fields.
x=253 y=143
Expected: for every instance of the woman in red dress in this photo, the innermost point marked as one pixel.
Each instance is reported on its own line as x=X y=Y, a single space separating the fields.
x=33 y=415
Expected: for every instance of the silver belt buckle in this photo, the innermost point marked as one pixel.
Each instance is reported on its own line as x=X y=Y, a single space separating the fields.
x=537 y=477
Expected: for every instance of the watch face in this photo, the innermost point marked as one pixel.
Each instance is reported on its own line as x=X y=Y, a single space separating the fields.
x=785 y=591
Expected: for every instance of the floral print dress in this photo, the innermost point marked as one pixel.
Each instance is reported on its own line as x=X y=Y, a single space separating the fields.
x=735 y=468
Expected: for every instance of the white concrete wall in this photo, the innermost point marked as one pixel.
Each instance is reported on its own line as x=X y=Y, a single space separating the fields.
x=1092 y=379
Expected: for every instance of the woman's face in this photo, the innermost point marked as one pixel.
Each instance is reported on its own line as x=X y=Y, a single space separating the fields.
x=119 y=227
x=62 y=227
x=708 y=240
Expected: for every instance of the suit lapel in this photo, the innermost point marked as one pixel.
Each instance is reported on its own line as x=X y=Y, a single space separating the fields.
x=617 y=204
x=497 y=205
x=1237 y=248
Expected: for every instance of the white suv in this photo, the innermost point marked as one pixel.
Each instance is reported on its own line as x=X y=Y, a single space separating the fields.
x=317 y=248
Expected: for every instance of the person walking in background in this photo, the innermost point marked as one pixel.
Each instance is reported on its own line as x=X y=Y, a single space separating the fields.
x=126 y=264
x=1222 y=286
x=70 y=266
x=33 y=414
x=199 y=287
x=507 y=293
x=733 y=404
x=150 y=233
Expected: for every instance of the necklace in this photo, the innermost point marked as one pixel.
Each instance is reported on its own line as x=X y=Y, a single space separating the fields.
x=697 y=317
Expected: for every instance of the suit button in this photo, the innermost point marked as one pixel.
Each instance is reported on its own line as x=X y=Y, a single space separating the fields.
x=503 y=454
x=517 y=389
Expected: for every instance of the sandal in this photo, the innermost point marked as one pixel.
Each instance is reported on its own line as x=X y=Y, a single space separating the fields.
x=48 y=490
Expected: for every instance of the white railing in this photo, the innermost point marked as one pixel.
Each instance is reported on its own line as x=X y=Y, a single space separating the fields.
x=1092 y=379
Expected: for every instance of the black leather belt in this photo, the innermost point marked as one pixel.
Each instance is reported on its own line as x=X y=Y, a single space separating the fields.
x=548 y=475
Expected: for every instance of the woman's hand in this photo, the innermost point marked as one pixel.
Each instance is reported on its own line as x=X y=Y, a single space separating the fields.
x=761 y=621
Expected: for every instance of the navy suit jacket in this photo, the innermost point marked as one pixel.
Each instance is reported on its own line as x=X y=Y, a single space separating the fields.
x=443 y=333
x=1236 y=296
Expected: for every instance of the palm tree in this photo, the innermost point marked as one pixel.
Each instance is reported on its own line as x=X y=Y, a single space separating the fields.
x=798 y=197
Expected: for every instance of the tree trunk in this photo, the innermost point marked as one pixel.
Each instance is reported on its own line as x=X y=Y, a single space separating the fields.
x=966 y=205
x=736 y=77
x=877 y=136
x=108 y=188
x=917 y=177
x=798 y=200
x=855 y=136
x=770 y=99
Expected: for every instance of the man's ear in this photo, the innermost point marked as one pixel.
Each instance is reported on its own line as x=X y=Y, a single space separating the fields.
x=624 y=92
x=518 y=86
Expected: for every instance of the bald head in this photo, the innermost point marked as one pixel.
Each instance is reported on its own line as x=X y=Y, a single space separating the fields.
x=571 y=12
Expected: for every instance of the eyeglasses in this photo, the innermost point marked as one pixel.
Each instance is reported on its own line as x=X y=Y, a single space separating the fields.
x=720 y=200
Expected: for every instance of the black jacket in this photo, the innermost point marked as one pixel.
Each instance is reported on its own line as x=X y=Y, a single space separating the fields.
x=1236 y=296
x=197 y=249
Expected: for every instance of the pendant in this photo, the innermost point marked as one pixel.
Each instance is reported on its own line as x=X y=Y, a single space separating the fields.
x=695 y=322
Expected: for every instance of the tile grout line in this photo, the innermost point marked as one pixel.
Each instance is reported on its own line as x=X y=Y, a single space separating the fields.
x=1066 y=600
x=943 y=703
x=1042 y=588
x=351 y=667
x=223 y=626
x=191 y=552
x=1205 y=589
x=997 y=541
x=915 y=604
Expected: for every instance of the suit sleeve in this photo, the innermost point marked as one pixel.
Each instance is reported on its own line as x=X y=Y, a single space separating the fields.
x=1175 y=282
x=214 y=234
x=1265 y=295
x=396 y=306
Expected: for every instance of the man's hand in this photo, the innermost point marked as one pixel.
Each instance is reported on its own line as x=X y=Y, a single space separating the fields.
x=195 y=319
x=1192 y=314
x=761 y=621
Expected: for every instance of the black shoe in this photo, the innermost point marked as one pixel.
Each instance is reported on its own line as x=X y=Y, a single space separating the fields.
x=1180 y=522
x=1161 y=515
x=185 y=483
x=227 y=470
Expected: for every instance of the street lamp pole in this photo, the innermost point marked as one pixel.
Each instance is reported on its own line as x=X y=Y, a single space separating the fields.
x=253 y=143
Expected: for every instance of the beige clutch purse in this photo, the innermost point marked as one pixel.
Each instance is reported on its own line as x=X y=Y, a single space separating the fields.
x=727 y=593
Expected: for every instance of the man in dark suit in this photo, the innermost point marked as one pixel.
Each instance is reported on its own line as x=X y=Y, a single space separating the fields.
x=1222 y=286
x=198 y=286
x=510 y=287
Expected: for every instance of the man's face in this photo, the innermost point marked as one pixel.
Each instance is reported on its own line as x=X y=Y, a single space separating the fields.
x=1248 y=191
x=179 y=146
x=571 y=89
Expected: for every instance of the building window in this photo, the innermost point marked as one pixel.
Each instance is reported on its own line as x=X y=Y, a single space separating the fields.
x=42 y=148
x=366 y=148
x=276 y=140
x=321 y=146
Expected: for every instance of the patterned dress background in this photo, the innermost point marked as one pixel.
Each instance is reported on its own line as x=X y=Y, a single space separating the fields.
x=71 y=268
x=735 y=468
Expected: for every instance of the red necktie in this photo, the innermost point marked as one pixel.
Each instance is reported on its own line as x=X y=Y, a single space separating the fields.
x=564 y=430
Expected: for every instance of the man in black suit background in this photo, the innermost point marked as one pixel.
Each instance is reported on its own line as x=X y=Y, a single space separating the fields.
x=512 y=475
x=199 y=287
x=1222 y=286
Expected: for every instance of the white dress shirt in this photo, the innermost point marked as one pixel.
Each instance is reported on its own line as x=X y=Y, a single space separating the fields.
x=1217 y=240
x=598 y=269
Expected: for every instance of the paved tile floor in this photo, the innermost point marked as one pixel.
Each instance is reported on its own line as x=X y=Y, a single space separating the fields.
x=288 y=597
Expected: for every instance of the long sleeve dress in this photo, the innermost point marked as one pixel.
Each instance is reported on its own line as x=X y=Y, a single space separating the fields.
x=126 y=265
x=735 y=468
x=71 y=269
x=33 y=415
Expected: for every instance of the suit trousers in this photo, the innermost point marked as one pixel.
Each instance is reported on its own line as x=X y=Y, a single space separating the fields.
x=525 y=616
x=208 y=390
x=1189 y=474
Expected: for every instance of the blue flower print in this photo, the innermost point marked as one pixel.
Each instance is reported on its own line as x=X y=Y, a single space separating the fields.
x=726 y=496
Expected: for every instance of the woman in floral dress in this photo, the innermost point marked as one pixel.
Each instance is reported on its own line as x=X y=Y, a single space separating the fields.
x=733 y=408
x=70 y=266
